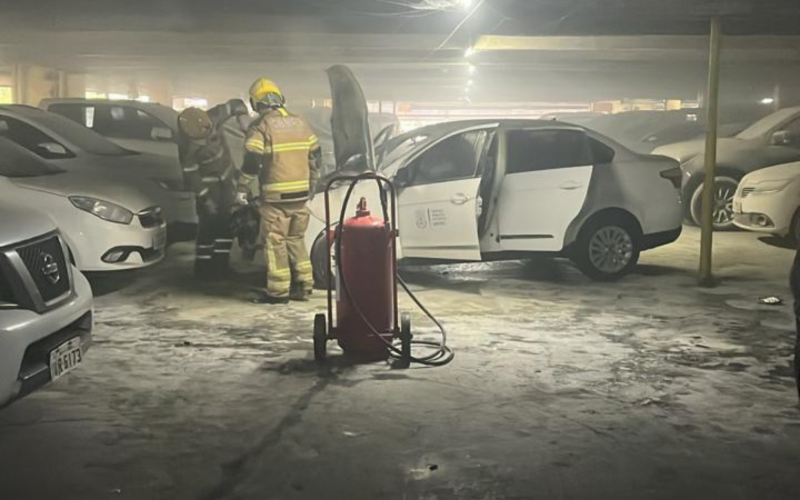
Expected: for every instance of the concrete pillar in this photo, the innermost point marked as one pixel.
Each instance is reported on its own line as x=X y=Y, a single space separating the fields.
x=33 y=83
x=74 y=85
x=158 y=89
x=776 y=97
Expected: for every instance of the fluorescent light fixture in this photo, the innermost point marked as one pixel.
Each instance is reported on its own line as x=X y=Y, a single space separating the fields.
x=471 y=69
x=767 y=100
x=470 y=83
x=143 y=98
x=466 y=4
x=469 y=52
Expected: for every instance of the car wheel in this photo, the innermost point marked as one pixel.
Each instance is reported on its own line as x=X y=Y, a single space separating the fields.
x=724 y=190
x=794 y=232
x=319 y=256
x=797 y=362
x=607 y=249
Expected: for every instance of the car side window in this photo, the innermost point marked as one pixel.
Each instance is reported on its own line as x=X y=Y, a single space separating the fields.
x=600 y=152
x=75 y=112
x=536 y=150
x=123 y=122
x=793 y=126
x=454 y=158
x=32 y=139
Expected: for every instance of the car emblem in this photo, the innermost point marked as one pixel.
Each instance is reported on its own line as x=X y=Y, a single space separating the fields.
x=49 y=268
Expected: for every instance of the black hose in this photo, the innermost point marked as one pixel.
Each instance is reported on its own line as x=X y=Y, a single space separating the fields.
x=442 y=354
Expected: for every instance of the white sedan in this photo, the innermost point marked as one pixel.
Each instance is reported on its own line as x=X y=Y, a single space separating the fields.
x=107 y=226
x=768 y=201
x=485 y=190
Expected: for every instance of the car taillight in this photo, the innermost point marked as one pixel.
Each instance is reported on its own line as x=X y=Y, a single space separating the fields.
x=674 y=175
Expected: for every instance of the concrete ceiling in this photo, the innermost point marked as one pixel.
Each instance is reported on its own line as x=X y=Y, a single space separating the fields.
x=402 y=51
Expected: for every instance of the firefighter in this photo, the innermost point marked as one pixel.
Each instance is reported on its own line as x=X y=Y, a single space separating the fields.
x=209 y=171
x=284 y=155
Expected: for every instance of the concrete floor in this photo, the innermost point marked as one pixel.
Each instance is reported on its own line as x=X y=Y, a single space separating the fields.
x=561 y=388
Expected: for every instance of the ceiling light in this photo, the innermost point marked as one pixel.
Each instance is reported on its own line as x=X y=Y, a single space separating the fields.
x=466 y=4
x=767 y=100
x=469 y=52
x=470 y=83
x=471 y=69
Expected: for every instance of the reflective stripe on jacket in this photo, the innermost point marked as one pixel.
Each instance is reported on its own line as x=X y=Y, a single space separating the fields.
x=286 y=141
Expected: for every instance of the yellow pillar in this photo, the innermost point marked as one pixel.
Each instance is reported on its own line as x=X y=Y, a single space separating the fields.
x=712 y=104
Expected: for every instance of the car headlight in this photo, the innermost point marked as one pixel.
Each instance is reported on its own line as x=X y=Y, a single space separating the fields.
x=772 y=186
x=103 y=209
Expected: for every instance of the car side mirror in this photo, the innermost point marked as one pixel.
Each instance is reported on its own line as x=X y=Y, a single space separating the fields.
x=161 y=134
x=53 y=148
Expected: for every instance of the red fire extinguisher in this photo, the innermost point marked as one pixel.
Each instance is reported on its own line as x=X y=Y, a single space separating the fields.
x=367 y=323
x=367 y=268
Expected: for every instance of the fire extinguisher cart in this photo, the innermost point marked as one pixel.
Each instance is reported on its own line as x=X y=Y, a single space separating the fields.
x=366 y=321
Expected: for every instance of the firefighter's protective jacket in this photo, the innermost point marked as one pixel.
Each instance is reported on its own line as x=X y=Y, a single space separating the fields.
x=287 y=147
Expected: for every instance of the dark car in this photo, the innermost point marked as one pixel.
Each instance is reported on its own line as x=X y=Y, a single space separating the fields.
x=772 y=140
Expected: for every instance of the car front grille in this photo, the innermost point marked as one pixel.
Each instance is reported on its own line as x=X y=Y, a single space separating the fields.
x=746 y=191
x=152 y=217
x=6 y=294
x=44 y=260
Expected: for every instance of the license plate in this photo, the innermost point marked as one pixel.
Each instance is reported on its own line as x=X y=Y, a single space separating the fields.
x=737 y=207
x=160 y=240
x=65 y=358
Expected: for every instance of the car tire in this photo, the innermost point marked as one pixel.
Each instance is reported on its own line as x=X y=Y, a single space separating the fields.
x=319 y=266
x=724 y=190
x=603 y=238
x=797 y=362
x=793 y=238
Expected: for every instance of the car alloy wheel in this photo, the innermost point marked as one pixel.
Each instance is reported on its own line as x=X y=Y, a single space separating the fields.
x=724 y=191
x=611 y=250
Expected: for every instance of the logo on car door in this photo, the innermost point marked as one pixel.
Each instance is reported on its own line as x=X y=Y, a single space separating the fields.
x=421 y=217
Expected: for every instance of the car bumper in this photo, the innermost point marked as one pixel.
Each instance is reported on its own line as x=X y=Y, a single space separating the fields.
x=662 y=238
x=26 y=339
x=769 y=213
x=114 y=247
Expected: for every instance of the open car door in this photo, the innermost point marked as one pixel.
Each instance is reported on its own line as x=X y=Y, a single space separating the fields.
x=439 y=199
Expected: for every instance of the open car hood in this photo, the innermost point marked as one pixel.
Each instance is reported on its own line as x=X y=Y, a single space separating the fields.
x=352 y=140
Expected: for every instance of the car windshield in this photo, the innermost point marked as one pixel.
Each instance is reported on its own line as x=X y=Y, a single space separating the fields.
x=400 y=147
x=765 y=125
x=82 y=137
x=16 y=162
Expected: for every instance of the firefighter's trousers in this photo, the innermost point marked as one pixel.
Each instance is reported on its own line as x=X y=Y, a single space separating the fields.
x=283 y=227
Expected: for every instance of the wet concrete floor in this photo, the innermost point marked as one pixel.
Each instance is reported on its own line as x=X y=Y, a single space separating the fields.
x=561 y=388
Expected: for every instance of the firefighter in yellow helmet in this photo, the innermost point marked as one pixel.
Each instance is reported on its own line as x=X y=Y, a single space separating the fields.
x=284 y=155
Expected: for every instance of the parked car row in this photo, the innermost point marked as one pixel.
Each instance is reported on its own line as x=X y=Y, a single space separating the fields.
x=70 y=201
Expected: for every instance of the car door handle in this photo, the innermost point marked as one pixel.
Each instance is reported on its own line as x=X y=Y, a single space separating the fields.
x=459 y=199
x=570 y=185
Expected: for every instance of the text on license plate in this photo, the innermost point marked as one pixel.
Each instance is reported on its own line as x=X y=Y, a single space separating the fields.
x=65 y=358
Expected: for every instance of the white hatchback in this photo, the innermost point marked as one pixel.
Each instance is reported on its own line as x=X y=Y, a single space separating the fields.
x=106 y=225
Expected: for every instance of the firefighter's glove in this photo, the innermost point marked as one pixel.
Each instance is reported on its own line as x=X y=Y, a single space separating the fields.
x=241 y=199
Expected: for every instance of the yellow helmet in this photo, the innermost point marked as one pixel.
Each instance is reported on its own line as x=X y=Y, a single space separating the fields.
x=195 y=123
x=265 y=91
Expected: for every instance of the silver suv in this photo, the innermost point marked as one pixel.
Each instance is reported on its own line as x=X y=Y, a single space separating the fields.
x=45 y=305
